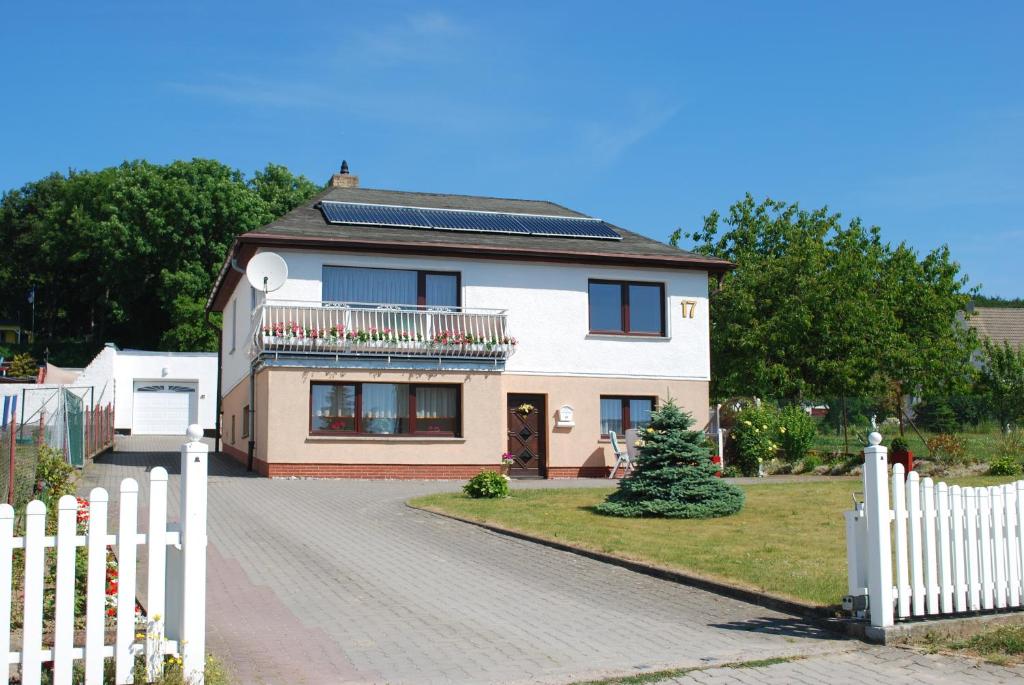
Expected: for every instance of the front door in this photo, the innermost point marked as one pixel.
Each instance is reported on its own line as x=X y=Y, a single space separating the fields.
x=526 y=435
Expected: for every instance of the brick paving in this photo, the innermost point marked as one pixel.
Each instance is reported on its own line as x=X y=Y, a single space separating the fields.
x=339 y=582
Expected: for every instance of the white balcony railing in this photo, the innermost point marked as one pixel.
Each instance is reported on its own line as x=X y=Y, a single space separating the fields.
x=330 y=328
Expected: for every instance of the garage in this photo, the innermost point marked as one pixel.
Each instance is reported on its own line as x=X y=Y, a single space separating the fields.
x=164 y=407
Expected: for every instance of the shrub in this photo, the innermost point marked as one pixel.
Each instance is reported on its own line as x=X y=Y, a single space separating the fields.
x=899 y=446
x=797 y=431
x=675 y=477
x=948 y=448
x=1011 y=444
x=56 y=477
x=755 y=434
x=1005 y=465
x=811 y=462
x=24 y=365
x=487 y=484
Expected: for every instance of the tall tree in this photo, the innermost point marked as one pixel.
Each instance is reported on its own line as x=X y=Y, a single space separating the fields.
x=818 y=308
x=129 y=253
x=1001 y=381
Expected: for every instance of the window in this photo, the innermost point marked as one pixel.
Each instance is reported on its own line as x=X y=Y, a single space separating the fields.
x=627 y=308
x=619 y=414
x=232 y=429
x=390 y=286
x=385 y=409
x=245 y=421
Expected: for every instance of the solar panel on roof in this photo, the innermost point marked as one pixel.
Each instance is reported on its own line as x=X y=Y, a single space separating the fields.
x=456 y=220
x=374 y=215
x=568 y=227
x=473 y=221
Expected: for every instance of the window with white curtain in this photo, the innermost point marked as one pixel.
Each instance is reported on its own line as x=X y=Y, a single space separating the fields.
x=390 y=286
x=619 y=414
x=385 y=409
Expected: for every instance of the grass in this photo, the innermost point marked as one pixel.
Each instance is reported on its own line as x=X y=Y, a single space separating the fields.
x=1003 y=645
x=789 y=539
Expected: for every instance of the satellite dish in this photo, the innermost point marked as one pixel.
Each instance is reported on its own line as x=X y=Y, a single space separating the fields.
x=266 y=271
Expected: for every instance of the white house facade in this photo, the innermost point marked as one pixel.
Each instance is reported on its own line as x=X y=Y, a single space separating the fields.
x=413 y=351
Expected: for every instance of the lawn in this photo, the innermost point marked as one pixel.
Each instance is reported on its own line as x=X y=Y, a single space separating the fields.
x=788 y=541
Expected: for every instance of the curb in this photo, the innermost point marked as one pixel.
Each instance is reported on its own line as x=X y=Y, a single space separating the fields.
x=821 y=617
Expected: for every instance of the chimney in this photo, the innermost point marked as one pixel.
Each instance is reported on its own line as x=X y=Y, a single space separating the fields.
x=343 y=179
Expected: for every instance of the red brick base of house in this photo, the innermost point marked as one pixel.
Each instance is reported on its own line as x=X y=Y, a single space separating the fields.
x=396 y=471
x=578 y=471
x=367 y=471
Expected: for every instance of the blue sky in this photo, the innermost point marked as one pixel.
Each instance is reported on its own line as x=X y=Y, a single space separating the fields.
x=909 y=115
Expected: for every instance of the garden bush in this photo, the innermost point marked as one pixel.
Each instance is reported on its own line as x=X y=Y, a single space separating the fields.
x=674 y=477
x=487 y=484
x=947 y=448
x=1005 y=465
x=797 y=431
x=55 y=475
x=755 y=434
x=810 y=462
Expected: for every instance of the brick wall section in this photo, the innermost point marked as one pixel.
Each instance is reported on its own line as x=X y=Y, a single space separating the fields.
x=578 y=471
x=396 y=471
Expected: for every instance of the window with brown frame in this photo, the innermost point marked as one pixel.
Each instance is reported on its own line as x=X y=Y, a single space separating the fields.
x=385 y=409
x=245 y=421
x=627 y=308
x=620 y=413
x=372 y=285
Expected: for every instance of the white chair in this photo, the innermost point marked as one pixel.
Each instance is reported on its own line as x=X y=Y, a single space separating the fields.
x=622 y=457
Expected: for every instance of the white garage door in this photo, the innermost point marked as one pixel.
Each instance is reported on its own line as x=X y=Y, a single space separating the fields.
x=163 y=408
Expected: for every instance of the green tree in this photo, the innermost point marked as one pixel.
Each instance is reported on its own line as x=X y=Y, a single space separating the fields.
x=129 y=253
x=675 y=477
x=819 y=308
x=1001 y=380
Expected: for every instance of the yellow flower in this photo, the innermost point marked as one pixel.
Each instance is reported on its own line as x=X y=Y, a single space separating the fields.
x=650 y=430
x=746 y=423
x=764 y=426
x=782 y=429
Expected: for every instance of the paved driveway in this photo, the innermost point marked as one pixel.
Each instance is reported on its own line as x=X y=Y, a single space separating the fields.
x=338 y=581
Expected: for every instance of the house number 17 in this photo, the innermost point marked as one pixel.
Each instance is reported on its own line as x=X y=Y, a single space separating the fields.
x=689 y=308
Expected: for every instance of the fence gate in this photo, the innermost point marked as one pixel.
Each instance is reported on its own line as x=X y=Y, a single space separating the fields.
x=175 y=576
x=956 y=549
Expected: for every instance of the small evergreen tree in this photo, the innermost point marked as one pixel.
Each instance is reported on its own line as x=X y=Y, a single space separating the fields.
x=674 y=477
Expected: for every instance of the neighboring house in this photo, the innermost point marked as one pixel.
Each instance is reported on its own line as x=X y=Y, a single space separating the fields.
x=12 y=334
x=424 y=343
x=153 y=393
x=998 y=324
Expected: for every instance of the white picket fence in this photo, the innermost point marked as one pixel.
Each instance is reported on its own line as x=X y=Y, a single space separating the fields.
x=174 y=622
x=957 y=549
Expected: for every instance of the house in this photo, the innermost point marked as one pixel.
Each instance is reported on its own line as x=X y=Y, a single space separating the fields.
x=998 y=324
x=421 y=336
x=11 y=333
x=151 y=393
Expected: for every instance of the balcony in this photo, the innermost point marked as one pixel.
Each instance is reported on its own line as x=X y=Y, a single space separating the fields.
x=356 y=329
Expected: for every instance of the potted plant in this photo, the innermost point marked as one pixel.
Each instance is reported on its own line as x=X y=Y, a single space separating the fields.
x=506 y=462
x=899 y=453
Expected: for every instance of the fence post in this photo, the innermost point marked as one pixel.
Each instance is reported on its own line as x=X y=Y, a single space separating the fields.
x=876 y=506
x=192 y=640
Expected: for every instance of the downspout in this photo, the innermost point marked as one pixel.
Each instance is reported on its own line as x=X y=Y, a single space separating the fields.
x=220 y=373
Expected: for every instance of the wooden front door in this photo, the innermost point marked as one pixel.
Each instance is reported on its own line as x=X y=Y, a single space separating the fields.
x=527 y=440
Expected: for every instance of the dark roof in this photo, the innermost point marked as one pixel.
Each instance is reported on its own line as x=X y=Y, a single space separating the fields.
x=305 y=226
x=999 y=324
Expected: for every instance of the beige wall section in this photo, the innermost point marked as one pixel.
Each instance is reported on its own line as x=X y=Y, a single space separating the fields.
x=232 y=406
x=289 y=440
x=283 y=423
x=581 y=445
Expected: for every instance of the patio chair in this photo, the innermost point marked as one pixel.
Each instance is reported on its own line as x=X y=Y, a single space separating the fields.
x=622 y=457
